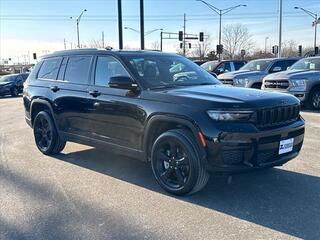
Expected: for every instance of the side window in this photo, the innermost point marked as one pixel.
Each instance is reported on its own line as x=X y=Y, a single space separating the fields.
x=224 y=67
x=106 y=68
x=19 y=79
x=238 y=65
x=77 y=70
x=290 y=63
x=278 y=66
x=62 y=69
x=49 y=69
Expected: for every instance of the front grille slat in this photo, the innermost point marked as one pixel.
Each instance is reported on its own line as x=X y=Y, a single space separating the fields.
x=277 y=116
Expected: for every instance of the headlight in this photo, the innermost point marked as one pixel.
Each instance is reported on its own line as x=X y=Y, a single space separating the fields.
x=239 y=116
x=240 y=81
x=298 y=84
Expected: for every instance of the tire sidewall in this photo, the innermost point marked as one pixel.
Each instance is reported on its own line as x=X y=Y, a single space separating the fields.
x=193 y=156
x=14 y=92
x=53 y=130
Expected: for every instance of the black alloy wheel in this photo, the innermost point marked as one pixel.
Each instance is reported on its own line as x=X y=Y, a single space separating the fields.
x=176 y=163
x=45 y=134
x=315 y=99
x=14 y=92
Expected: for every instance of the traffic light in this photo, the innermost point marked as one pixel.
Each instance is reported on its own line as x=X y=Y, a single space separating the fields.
x=189 y=45
x=180 y=36
x=201 y=36
x=34 y=56
x=220 y=49
x=275 y=49
x=316 y=50
x=300 y=50
x=181 y=45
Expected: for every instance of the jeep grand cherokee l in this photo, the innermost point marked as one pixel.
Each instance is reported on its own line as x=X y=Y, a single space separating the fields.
x=301 y=80
x=251 y=74
x=161 y=108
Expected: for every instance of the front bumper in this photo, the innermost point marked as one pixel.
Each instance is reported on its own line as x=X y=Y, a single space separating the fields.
x=302 y=96
x=239 y=152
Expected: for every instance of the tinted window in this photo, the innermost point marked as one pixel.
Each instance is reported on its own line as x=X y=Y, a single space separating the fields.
x=106 y=68
x=77 y=70
x=8 y=78
x=279 y=65
x=224 y=67
x=62 y=69
x=238 y=65
x=290 y=63
x=49 y=68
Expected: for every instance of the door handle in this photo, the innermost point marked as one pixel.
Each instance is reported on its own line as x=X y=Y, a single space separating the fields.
x=55 y=89
x=95 y=93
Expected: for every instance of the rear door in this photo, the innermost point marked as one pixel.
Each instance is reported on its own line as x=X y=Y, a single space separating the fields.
x=115 y=114
x=69 y=94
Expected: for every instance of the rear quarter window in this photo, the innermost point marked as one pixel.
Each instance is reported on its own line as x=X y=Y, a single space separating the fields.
x=77 y=69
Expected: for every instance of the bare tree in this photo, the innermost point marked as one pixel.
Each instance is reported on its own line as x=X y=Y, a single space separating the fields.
x=155 y=45
x=236 y=37
x=202 y=49
x=290 y=49
x=94 y=43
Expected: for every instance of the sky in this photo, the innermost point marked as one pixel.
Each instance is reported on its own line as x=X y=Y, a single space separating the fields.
x=40 y=26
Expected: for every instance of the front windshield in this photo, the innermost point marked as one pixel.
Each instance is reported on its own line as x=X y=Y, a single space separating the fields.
x=210 y=66
x=257 y=65
x=156 y=71
x=8 y=78
x=312 y=64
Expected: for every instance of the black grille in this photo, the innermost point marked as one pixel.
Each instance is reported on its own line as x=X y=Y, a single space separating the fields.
x=227 y=81
x=277 y=116
x=232 y=157
x=276 y=84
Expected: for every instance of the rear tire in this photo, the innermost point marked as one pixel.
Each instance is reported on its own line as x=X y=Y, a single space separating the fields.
x=46 y=135
x=176 y=163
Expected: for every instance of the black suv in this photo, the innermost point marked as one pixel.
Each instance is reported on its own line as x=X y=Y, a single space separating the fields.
x=161 y=108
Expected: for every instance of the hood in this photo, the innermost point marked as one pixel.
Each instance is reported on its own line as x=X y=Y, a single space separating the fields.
x=226 y=96
x=241 y=74
x=293 y=74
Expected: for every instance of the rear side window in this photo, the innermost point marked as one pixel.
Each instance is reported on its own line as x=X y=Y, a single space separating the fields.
x=49 y=69
x=77 y=70
x=106 y=68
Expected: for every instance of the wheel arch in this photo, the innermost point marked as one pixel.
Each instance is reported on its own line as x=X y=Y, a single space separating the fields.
x=158 y=124
x=38 y=105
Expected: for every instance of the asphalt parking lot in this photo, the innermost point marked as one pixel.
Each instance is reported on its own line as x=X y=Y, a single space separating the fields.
x=87 y=193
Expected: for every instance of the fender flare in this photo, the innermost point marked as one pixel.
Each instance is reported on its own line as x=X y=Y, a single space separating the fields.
x=43 y=102
x=172 y=119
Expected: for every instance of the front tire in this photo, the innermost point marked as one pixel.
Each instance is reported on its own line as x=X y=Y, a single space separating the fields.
x=314 y=99
x=176 y=163
x=14 y=92
x=46 y=135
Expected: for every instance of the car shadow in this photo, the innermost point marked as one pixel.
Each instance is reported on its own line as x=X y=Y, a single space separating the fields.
x=278 y=199
x=9 y=96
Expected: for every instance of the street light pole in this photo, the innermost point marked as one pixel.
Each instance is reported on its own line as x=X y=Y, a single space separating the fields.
x=315 y=23
x=120 y=24
x=280 y=29
x=78 y=22
x=142 y=24
x=220 y=12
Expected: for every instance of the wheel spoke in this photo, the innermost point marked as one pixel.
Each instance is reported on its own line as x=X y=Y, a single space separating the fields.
x=182 y=161
x=180 y=177
x=163 y=157
x=173 y=149
x=166 y=174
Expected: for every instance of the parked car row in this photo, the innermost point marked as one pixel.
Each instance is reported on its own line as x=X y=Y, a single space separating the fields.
x=299 y=77
x=12 y=84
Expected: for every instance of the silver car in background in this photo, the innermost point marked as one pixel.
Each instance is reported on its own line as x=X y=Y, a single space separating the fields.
x=301 y=80
x=252 y=74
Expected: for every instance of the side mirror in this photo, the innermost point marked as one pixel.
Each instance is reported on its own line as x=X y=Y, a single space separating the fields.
x=122 y=82
x=276 y=69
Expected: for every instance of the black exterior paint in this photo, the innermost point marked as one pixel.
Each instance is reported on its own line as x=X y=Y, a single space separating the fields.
x=122 y=120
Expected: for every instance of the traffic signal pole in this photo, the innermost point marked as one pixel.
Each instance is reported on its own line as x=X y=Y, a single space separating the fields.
x=184 y=34
x=142 y=24
x=120 y=24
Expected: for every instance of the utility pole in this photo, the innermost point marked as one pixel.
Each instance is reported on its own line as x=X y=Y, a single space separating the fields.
x=102 y=40
x=120 y=24
x=280 y=29
x=64 y=44
x=184 y=34
x=142 y=24
x=161 y=41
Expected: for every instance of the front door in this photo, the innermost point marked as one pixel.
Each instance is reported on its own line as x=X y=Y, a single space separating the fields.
x=116 y=117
